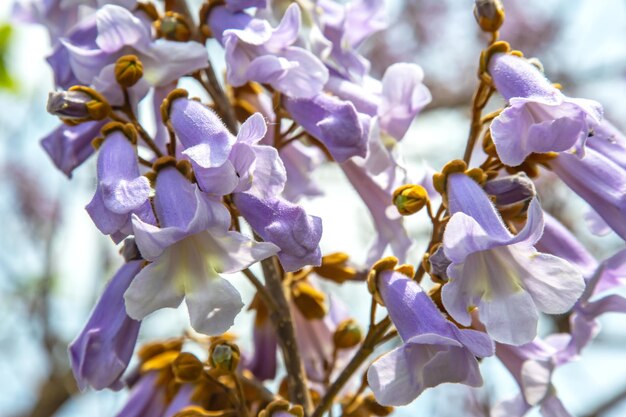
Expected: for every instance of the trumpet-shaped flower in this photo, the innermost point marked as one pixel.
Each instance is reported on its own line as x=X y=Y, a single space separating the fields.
x=121 y=191
x=257 y=52
x=189 y=250
x=539 y=117
x=101 y=352
x=435 y=350
x=500 y=273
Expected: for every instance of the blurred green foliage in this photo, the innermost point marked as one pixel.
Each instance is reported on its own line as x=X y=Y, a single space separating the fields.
x=6 y=81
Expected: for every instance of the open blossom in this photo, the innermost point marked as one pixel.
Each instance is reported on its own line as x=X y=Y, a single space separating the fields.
x=500 y=273
x=600 y=176
x=257 y=52
x=434 y=350
x=114 y=31
x=539 y=117
x=101 y=352
x=189 y=250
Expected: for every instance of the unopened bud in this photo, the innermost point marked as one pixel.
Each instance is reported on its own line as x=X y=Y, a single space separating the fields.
x=173 y=27
x=336 y=267
x=489 y=14
x=224 y=356
x=410 y=198
x=187 y=368
x=310 y=301
x=128 y=70
x=280 y=408
x=78 y=104
x=348 y=334
x=375 y=408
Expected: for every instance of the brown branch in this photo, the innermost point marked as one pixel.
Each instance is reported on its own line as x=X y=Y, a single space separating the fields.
x=283 y=324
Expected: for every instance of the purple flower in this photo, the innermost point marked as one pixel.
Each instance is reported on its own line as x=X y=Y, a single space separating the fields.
x=70 y=146
x=333 y=122
x=532 y=366
x=257 y=52
x=263 y=363
x=121 y=190
x=101 y=352
x=500 y=273
x=434 y=349
x=539 y=117
x=189 y=250
x=557 y=240
x=376 y=192
x=223 y=163
x=600 y=176
x=114 y=32
x=287 y=226
x=147 y=398
x=396 y=101
x=300 y=161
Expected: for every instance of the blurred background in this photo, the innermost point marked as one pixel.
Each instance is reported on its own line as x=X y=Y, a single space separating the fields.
x=54 y=263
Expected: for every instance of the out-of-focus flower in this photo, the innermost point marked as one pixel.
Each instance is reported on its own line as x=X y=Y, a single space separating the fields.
x=101 y=352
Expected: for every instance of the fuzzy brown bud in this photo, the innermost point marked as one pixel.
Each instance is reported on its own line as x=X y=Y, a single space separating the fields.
x=310 y=301
x=410 y=198
x=128 y=70
x=348 y=334
x=489 y=14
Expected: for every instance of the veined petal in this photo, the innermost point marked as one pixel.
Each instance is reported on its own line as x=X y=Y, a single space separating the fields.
x=118 y=27
x=123 y=196
x=554 y=283
x=213 y=304
x=535 y=378
x=196 y=124
x=269 y=175
x=252 y=130
x=182 y=58
x=231 y=251
x=156 y=286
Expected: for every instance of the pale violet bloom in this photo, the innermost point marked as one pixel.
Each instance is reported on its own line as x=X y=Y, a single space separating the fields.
x=539 y=117
x=187 y=253
x=257 y=52
x=121 y=190
x=70 y=146
x=223 y=163
x=376 y=192
x=434 y=350
x=285 y=224
x=599 y=177
x=332 y=121
x=532 y=366
x=395 y=101
x=114 y=31
x=500 y=273
x=101 y=352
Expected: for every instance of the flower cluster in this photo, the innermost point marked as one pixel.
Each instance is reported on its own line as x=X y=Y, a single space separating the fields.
x=201 y=189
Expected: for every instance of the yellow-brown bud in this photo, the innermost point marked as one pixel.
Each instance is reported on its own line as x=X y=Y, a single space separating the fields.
x=173 y=27
x=284 y=406
x=410 y=198
x=197 y=411
x=310 y=301
x=489 y=14
x=150 y=350
x=224 y=356
x=128 y=70
x=375 y=408
x=348 y=334
x=187 y=368
x=335 y=267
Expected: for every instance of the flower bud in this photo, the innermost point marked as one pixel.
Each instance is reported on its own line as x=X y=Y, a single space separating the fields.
x=187 y=368
x=375 y=408
x=310 y=301
x=128 y=70
x=410 y=198
x=489 y=14
x=280 y=408
x=336 y=267
x=348 y=334
x=78 y=104
x=224 y=356
x=173 y=27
